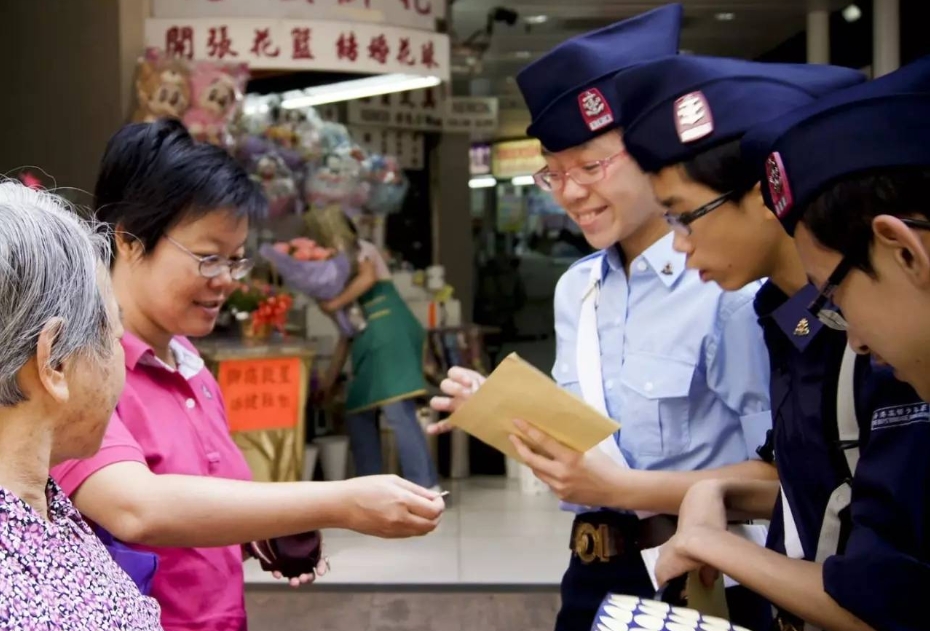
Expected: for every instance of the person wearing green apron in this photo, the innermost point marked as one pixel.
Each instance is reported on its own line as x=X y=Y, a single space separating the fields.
x=387 y=371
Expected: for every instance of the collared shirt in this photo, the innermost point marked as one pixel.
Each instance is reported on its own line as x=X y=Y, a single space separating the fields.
x=174 y=422
x=684 y=366
x=55 y=573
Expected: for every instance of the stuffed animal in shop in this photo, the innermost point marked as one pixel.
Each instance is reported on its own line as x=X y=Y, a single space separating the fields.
x=216 y=90
x=335 y=178
x=162 y=88
x=278 y=183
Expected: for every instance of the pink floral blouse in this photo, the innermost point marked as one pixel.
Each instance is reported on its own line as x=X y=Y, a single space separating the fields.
x=56 y=575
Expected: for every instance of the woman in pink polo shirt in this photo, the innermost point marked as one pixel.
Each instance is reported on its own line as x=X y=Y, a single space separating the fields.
x=168 y=478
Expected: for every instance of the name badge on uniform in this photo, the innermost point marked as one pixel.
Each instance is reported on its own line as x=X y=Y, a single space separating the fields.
x=900 y=415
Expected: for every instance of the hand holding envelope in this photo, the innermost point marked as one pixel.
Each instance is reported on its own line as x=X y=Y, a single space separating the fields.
x=558 y=433
x=587 y=478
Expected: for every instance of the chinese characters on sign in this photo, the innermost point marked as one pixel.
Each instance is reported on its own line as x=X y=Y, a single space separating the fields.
x=422 y=7
x=414 y=14
x=378 y=49
x=347 y=47
x=471 y=115
x=414 y=109
x=304 y=45
x=261 y=394
x=179 y=42
x=262 y=44
x=219 y=46
x=426 y=110
x=301 y=41
x=407 y=146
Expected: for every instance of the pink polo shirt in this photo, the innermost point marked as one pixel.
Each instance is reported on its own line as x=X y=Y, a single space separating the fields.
x=174 y=421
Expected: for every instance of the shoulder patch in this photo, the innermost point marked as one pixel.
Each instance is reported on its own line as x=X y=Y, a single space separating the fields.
x=900 y=415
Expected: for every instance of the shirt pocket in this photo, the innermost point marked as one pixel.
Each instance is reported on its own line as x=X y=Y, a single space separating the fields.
x=656 y=409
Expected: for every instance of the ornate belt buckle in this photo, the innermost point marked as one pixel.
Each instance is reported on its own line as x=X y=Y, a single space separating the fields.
x=591 y=543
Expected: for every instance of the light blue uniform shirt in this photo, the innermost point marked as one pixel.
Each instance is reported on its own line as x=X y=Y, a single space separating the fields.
x=684 y=365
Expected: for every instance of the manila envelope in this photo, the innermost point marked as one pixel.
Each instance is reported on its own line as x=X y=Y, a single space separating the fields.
x=517 y=390
x=710 y=601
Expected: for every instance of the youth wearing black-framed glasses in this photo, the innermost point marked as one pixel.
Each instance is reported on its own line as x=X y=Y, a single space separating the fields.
x=681 y=223
x=833 y=317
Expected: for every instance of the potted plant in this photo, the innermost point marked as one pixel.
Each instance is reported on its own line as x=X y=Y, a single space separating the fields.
x=259 y=308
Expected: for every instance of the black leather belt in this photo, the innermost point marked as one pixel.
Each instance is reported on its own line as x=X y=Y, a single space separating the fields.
x=599 y=537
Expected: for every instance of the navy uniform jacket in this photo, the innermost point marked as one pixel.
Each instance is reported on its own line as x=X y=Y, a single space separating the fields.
x=883 y=575
x=805 y=359
x=883 y=559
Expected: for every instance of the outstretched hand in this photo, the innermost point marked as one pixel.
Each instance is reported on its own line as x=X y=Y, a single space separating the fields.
x=458 y=386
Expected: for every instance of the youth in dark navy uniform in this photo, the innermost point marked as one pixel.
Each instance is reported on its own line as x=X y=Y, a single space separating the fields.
x=849 y=174
x=684 y=119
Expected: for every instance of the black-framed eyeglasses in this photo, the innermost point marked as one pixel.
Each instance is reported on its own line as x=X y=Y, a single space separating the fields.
x=833 y=317
x=213 y=265
x=583 y=174
x=682 y=223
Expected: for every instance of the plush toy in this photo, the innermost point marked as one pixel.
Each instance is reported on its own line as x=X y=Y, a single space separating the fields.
x=162 y=88
x=388 y=185
x=334 y=179
x=278 y=183
x=216 y=90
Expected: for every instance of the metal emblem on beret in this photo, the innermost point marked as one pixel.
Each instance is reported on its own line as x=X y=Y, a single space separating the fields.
x=693 y=118
x=595 y=109
x=779 y=189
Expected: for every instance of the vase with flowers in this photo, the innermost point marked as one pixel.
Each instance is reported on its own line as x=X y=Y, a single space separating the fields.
x=259 y=308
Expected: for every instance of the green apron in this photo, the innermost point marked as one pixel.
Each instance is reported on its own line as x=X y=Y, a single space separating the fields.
x=387 y=357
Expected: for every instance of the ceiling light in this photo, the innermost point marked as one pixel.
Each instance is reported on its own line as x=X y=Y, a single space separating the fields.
x=725 y=16
x=852 y=13
x=486 y=181
x=523 y=180
x=358 y=89
x=536 y=19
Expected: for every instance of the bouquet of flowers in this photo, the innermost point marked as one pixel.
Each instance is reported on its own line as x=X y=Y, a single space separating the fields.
x=316 y=271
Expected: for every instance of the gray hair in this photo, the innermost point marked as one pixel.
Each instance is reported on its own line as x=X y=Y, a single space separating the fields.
x=49 y=261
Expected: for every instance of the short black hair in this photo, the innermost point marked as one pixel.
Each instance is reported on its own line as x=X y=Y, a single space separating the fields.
x=840 y=217
x=155 y=175
x=722 y=169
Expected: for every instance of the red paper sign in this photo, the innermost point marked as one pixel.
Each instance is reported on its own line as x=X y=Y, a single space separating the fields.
x=261 y=394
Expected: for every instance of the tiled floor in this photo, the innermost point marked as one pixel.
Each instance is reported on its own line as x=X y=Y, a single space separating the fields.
x=492 y=534
x=321 y=610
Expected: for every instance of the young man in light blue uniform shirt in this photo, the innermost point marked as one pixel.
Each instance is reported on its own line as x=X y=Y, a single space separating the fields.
x=678 y=362
x=683 y=365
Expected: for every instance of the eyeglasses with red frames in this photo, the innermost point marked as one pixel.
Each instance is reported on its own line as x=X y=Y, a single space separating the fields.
x=583 y=174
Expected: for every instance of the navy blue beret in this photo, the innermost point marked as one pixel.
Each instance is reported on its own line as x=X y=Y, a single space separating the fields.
x=569 y=90
x=676 y=108
x=882 y=124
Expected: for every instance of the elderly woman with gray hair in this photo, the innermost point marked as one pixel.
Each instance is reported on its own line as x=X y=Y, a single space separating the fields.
x=61 y=374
